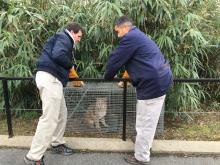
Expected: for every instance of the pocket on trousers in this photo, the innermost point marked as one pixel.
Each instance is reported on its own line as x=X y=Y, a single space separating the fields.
x=56 y=90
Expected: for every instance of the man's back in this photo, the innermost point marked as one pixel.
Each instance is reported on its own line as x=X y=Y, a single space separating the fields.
x=149 y=71
x=56 y=56
x=147 y=59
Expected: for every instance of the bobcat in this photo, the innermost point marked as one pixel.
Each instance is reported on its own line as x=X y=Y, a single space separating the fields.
x=96 y=113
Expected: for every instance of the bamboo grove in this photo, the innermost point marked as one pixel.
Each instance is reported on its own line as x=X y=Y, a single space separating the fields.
x=187 y=32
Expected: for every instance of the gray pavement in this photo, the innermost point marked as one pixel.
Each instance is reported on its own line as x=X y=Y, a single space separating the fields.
x=15 y=157
x=108 y=151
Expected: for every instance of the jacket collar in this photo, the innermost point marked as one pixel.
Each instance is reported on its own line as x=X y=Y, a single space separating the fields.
x=132 y=28
x=70 y=36
x=68 y=32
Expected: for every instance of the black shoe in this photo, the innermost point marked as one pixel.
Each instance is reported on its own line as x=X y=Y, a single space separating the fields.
x=33 y=162
x=132 y=160
x=62 y=149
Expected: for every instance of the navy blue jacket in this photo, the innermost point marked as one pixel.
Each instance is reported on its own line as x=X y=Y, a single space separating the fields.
x=149 y=71
x=56 y=56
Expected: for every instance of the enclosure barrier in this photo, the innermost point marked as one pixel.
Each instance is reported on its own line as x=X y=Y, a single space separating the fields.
x=124 y=99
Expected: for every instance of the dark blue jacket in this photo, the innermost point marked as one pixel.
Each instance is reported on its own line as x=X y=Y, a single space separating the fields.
x=56 y=56
x=149 y=71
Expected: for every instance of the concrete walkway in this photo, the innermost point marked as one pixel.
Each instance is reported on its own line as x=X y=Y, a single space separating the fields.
x=11 y=156
x=117 y=145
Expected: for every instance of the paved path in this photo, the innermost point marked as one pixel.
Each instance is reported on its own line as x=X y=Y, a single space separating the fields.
x=15 y=157
x=105 y=151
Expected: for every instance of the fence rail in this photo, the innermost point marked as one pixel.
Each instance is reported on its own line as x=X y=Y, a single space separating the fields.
x=8 y=109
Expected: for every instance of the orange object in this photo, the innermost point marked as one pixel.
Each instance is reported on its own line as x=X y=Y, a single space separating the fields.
x=125 y=75
x=73 y=74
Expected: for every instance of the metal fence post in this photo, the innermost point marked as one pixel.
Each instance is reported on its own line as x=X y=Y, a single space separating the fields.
x=124 y=109
x=7 y=107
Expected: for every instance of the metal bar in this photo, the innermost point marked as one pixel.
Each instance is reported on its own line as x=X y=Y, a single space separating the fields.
x=96 y=79
x=188 y=80
x=7 y=108
x=124 y=109
x=70 y=79
x=120 y=79
x=197 y=80
x=16 y=78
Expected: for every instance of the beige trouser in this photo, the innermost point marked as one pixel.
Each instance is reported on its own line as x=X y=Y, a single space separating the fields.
x=147 y=116
x=52 y=123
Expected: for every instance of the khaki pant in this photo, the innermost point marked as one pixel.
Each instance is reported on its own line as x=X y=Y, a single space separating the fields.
x=52 y=123
x=147 y=116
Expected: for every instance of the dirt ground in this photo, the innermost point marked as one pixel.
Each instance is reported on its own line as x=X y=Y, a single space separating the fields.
x=199 y=127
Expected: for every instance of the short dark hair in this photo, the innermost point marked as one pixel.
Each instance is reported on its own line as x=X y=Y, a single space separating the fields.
x=123 y=19
x=75 y=27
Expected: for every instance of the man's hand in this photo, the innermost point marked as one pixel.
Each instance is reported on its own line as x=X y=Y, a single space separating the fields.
x=125 y=76
x=73 y=74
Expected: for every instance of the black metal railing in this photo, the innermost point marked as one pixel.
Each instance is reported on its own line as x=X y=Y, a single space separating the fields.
x=7 y=103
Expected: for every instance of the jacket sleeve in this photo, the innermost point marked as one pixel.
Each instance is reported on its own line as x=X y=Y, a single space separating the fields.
x=60 y=52
x=119 y=57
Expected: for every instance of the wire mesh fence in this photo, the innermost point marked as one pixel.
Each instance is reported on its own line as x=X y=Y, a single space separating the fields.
x=98 y=108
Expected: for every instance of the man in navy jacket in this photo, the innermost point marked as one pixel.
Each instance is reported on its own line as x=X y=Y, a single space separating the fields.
x=53 y=67
x=150 y=73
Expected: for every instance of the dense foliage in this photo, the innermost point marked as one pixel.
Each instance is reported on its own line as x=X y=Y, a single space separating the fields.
x=187 y=32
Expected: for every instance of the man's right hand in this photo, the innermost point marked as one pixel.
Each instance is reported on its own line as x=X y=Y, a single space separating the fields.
x=73 y=74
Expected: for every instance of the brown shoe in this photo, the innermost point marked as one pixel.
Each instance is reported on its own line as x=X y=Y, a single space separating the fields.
x=132 y=160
